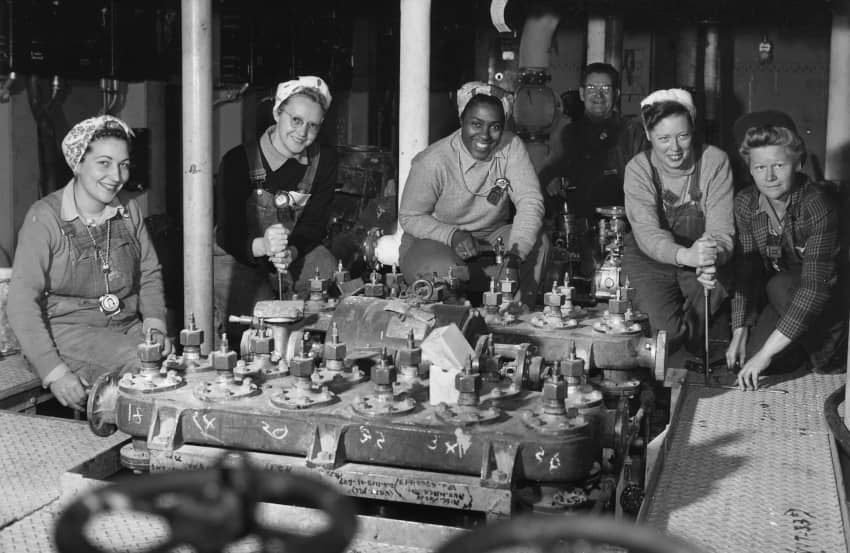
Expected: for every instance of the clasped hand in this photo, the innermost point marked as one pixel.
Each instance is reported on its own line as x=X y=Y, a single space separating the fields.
x=276 y=244
x=702 y=255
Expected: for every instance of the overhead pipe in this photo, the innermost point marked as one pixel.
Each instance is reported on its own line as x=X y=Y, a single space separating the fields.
x=605 y=40
x=197 y=28
x=711 y=85
x=413 y=105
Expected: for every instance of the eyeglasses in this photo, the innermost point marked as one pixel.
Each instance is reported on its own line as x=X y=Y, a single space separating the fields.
x=601 y=88
x=299 y=123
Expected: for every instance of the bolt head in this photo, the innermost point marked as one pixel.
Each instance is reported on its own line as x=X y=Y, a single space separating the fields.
x=554 y=391
x=149 y=353
x=572 y=367
x=191 y=337
x=334 y=352
x=301 y=366
x=409 y=357
x=262 y=345
x=223 y=361
x=383 y=376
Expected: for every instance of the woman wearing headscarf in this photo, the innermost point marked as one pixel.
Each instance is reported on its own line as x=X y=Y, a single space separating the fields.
x=273 y=201
x=457 y=200
x=786 y=263
x=679 y=204
x=86 y=285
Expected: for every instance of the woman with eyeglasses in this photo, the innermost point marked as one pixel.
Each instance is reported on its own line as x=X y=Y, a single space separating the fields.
x=679 y=205
x=787 y=307
x=273 y=202
x=86 y=284
x=456 y=204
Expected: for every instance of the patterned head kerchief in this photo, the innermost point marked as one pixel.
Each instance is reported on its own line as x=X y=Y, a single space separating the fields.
x=678 y=95
x=287 y=89
x=470 y=89
x=77 y=140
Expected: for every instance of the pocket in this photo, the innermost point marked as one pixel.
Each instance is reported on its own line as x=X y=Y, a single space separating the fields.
x=124 y=263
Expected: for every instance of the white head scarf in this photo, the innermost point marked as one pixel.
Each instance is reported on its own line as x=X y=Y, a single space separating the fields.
x=470 y=89
x=76 y=142
x=290 y=88
x=678 y=95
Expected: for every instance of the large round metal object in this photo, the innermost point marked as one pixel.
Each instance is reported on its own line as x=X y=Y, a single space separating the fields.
x=100 y=407
x=566 y=532
x=213 y=508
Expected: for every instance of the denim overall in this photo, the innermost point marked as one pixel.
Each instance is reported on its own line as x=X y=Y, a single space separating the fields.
x=671 y=296
x=260 y=208
x=89 y=341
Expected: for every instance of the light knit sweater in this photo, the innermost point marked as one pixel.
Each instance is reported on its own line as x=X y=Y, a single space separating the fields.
x=716 y=202
x=446 y=191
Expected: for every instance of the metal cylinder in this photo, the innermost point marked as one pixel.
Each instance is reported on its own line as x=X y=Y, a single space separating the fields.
x=198 y=167
x=837 y=165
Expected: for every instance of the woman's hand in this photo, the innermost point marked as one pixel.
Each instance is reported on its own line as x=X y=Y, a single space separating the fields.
x=702 y=253
x=707 y=276
x=464 y=244
x=284 y=259
x=736 y=353
x=69 y=391
x=275 y=239
x=748 y=378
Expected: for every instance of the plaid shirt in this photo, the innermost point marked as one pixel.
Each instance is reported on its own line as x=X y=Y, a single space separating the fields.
x=809 y=239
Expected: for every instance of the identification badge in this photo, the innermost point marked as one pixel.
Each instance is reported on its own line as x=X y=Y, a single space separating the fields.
x=281 y=199
x=110 y=305
x=774 y=252
x=498 y=191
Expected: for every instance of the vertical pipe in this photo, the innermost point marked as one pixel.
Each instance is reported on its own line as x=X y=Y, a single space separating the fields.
x=197 y=165
x=536 y=39
x=595 y=39
x=711 y=81
x=414 y=84
x=614 y=41
x=686 y=57
x=414 y=78
x=837 y=166
x=838 y=108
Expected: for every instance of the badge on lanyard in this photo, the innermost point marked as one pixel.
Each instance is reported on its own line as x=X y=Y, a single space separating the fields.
x=774 y=251
x=110 y=305
x=498 y=191
x=281 y=199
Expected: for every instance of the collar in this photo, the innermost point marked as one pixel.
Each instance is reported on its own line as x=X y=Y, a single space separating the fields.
x=274 y=157
x=793 y=199
x=467 y=162
x=68 y=208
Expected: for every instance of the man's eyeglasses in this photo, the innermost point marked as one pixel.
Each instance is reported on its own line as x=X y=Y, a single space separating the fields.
x=601 y=88
x=299 y=123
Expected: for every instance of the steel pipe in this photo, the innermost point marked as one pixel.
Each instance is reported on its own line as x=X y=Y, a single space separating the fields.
x=198 y=166
x=837 y=165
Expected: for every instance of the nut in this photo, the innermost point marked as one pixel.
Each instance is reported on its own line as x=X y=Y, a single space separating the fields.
x=554 y=391
x=262 y=345
x=223 y=360
x=191 y=337
x=468 y=383
x=334 y=352
x=410 y=357
x=149 y=353
x=301 y=366
x=383 y=375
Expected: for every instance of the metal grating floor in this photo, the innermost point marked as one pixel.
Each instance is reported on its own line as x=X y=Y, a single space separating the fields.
x=752 y=471
x=34 y=453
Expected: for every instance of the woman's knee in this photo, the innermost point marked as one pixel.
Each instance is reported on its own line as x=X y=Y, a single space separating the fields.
x=426 y=257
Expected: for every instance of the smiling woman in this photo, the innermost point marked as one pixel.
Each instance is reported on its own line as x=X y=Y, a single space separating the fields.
x=679 y=204
x=456 y=202
x=86 y=286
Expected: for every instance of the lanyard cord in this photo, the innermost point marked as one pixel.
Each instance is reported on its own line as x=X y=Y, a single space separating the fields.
x=499 y=171
x=104 y=259
x=781 y=233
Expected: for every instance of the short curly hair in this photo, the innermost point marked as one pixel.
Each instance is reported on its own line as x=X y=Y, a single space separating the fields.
x=772 y=135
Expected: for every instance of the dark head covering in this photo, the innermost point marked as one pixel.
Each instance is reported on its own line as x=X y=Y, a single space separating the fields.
x=772 y=117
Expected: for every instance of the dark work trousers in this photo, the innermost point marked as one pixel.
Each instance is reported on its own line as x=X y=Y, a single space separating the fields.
x=825 y=341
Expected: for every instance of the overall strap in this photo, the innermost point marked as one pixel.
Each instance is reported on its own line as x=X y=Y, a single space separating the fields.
x=54 y=202
x=693 y=188
x=659 y=198
x=256 y=170
x=306 y=184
